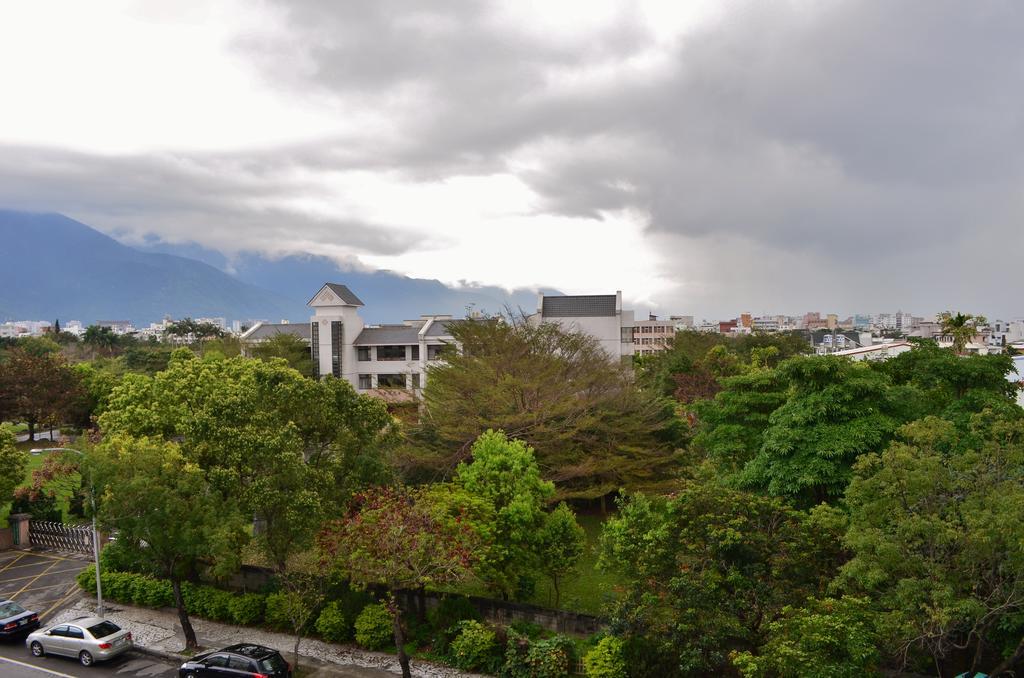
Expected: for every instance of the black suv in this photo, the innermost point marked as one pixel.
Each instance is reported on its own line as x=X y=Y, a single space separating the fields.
x=237 y=661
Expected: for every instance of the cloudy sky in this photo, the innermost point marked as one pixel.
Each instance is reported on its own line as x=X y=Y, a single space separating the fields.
x=703 y=157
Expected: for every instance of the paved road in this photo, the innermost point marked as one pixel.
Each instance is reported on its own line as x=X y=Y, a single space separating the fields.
x=45 y=582
x=40 y=581
x=16 y=662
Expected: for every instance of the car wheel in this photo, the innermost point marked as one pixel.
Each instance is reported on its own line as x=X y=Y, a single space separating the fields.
x=85 y=658
x=37 y=649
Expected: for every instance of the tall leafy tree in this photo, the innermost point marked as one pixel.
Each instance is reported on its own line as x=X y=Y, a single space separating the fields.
x=503 y=476
x=937 y=536
x=594 y=431
x=36 y=389
x=704 y=571
x=13 y=463
x=165 y=512
x=101 y=340
x=560 y=545
x=961 y=327
x=288 y=450
x=731 y=426
x=293 y=349
x=836 y=410
x=396 y=538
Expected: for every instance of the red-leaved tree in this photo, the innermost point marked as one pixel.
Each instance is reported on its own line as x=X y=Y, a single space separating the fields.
x=400 y=539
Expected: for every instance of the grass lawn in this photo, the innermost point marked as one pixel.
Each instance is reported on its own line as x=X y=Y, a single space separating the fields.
x=586 y=592
x=34 y=462
x=590 y=589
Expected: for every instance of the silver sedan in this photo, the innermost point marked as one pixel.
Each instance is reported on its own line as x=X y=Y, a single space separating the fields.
x=88 y=639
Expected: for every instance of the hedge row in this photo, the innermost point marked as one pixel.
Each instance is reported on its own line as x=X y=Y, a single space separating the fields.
x=453 y=632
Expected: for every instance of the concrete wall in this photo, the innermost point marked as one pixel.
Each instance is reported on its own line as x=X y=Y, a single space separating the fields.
x=495 y=611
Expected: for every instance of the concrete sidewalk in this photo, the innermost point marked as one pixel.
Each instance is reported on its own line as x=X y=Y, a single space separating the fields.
x=158 y=632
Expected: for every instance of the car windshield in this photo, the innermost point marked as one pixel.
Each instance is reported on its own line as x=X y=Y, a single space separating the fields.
x=272 y=664
x=9 y=609
x=103 y=629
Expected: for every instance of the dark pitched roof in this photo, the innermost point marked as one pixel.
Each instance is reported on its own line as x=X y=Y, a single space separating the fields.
x=393 y=334
x=440 y=328
x=343 y=292
x=584 y=305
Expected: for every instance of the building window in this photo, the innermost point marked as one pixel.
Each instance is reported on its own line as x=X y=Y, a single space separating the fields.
x=415 y=352
x=391 y=353
x=415 y=379
x=626 y=335
x=365 y=381
x=337 y=336
x=363 y=354
x=314 y=340
x=434 y=352
x=390 y=381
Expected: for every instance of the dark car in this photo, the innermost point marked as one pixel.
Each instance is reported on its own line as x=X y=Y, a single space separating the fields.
x=16 y=620
x=237 y=661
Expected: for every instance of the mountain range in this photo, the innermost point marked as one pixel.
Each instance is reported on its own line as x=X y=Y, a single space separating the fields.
x=56 y=267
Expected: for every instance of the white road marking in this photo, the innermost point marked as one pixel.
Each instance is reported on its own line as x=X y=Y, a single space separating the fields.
x=36 y=668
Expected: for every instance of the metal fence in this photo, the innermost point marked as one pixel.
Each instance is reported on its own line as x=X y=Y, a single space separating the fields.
x=46 y=534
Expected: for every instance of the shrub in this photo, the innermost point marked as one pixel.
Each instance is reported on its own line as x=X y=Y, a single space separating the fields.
x=207 y=601
x=606 y=659
x=450 y=611
x=374 y=627
x=150 y=592
x=247 y=608
x=445 y=618
x=333 y=624
x=548 y=658
x=86 y=579
x=117 y=585
x=276 y=611
x=474 y=647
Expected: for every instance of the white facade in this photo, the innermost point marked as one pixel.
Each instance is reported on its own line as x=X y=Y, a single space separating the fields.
x=1003 y=333
x=599 y=315
x=653 y=335
x=385 y=359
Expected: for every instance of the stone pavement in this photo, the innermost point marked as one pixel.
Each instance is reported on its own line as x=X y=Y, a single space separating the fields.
x=158 y=632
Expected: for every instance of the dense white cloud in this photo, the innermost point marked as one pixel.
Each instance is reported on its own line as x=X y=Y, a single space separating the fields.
x=702 y=157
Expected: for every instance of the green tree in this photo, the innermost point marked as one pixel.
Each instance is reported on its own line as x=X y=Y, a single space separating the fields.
x=288 y=346
x=394 y=538
x=731 y=426
x=36 y=389
x=101 y=340
x=704 y=571
x=593 y=429
x=961 y=327
x=560 y=544
x=13 y=463
x=824 y=638
x=504 y=476
x=836 y=411
x=937 y=536
x=165 y=513
x=288 y=450
x=934 y=381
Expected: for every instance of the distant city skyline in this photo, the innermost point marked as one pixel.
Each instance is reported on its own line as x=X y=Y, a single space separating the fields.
x=698 y=156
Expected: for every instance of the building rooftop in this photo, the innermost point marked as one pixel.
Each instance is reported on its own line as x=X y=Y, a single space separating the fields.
x=387 y=335
x=346 y=295
x=263 y=331
x=579 y=306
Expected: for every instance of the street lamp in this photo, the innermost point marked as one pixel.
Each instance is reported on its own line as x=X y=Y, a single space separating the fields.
x=95 y=533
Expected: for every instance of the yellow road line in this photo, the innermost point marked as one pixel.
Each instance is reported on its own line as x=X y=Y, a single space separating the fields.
x=41 y=588
x=11 y=564
x=55 y=563
x=29 y=576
